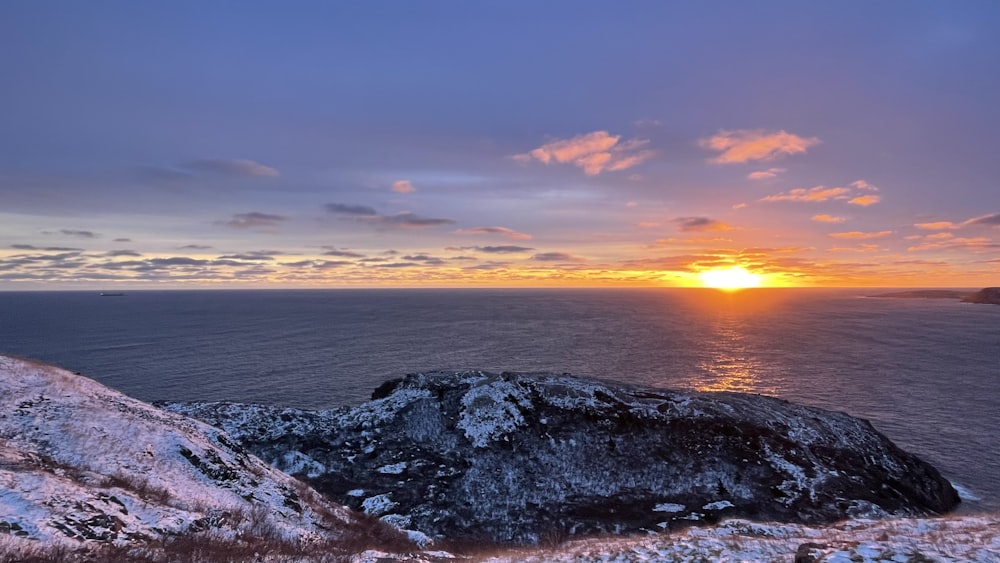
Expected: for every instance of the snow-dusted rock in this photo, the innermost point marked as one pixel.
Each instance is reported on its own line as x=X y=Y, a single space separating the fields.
x=83 y=465
x=521 y=457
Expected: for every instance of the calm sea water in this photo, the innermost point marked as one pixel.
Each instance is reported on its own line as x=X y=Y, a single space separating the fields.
x=925 y=372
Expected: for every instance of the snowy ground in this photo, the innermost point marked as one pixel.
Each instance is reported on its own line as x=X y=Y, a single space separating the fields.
x=950 y=539
x=83 y=466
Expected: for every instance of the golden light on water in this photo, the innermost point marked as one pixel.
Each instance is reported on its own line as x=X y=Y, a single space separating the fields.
x=730 y=279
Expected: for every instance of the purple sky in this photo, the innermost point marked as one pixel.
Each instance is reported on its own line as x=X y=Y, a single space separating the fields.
x=250 y=144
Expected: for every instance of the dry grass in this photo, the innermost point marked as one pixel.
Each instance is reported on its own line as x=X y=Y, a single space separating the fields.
x=204 y=547
x=140 y=487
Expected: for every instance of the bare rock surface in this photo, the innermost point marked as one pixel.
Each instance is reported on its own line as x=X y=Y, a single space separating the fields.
x=527 y=458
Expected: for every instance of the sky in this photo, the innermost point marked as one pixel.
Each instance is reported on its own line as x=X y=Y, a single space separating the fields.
x=498 y=144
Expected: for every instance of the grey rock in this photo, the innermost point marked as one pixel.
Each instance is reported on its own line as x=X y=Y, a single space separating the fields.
x=522 y=458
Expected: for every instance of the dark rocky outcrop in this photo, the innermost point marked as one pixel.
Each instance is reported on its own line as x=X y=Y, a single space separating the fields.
x=987 y=295
x=529 y=457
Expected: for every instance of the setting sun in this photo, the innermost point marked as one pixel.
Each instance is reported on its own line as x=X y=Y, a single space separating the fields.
x=730 y=278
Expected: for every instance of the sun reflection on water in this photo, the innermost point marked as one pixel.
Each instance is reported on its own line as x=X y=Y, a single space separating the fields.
x=733 y=361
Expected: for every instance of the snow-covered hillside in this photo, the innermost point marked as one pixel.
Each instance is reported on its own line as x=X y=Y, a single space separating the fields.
x=81 y=464
x=968 y=539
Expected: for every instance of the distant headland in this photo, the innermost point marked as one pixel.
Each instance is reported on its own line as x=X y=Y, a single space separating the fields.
x=987 y=295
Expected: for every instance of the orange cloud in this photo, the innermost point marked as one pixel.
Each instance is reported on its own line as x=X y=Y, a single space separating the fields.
x=747 y=145
x=975 y=243
x=861 y=235
x=936 y=226
x=819 y=193
x=403 y=187
x=765 y=174
x=940 y=236
x=865 y=200
x=866 y=248
x=828 y=219
x=672 y=241
x=822 y=193
x=594 y=152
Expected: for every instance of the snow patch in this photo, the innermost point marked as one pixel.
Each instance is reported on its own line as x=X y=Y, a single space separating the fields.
x=491 y=410
x=669 y=507
x=421 y=539
x=718 y=505
x=378 y=505
x=392 y=469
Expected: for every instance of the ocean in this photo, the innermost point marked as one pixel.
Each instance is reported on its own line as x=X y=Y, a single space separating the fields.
x=925 y=372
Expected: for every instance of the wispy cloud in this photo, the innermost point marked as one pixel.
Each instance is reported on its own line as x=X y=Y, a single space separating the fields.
x=424 y=258
x=818 y=193
x=232 y=167
x=45 y=248
x=503 y=231
x=673 y=241
x=317 y=264
x=765 y=174
x=855 y=193
x=253 y=219
x=403 y=187
x=349 y=209
x=164 y=176
x=594 y=152
x=746 y=145
x=504 y=249
x=78 y=233
x=956 y=243
x=405 y=219
x=699 y=224
x=828 y=218
x=936 y=226
x=556 y=257
x=342 y=253
x=992 y=220
x=860 y=235
x=865 y=200
x=863 y=248
x=247 y=256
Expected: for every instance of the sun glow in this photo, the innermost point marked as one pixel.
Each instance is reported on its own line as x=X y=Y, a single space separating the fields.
x=730 y=279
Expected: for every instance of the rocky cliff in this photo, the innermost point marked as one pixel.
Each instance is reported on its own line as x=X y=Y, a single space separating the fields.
x=517 y=457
